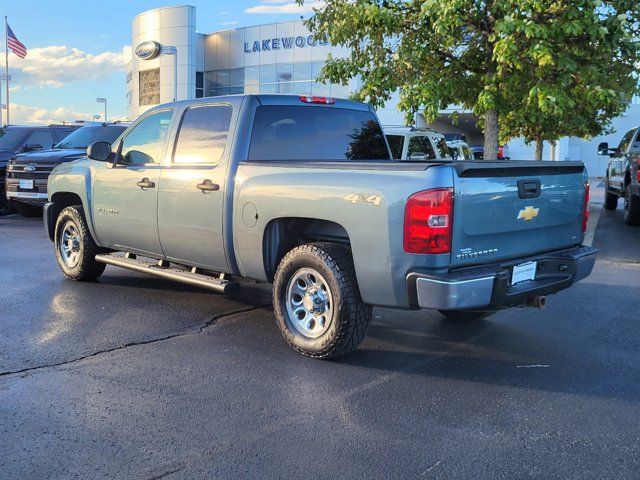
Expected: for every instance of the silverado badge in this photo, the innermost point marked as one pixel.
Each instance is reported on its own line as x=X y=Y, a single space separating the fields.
x=528 y=213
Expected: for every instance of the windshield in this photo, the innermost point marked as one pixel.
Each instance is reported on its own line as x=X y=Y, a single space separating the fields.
x=85 y=136
x=12 y=137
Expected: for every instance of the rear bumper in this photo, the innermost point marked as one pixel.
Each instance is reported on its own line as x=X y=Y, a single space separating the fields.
x=488 y=286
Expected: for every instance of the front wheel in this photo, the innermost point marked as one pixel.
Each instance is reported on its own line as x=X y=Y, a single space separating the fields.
x=75 y=248
x=317 y=302
x=29 y=211
x=610 y=200
x=631 y=207
x=466 y=315
x=6 y=207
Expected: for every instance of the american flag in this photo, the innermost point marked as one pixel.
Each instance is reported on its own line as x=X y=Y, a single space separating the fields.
x=14 y=44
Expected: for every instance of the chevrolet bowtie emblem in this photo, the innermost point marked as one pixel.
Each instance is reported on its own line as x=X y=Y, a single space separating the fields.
x=528 y=213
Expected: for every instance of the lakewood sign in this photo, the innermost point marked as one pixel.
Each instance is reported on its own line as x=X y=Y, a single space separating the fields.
x=282 y=43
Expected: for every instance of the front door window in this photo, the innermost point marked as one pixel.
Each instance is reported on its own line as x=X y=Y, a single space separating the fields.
x=143 y=145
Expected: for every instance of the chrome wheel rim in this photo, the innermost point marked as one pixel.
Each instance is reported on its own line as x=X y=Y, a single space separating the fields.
x=309 y=303
x=69 y=244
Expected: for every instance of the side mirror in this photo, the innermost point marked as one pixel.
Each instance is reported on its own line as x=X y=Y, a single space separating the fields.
x=100 y=151
x=603 y=148
x=418 y=157
x=31 y=147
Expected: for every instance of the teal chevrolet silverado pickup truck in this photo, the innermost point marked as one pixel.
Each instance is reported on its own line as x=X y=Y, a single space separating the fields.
x=302 y=192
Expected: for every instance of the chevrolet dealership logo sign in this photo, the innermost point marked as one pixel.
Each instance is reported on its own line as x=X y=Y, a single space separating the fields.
x=528 y=213
x=282 y=43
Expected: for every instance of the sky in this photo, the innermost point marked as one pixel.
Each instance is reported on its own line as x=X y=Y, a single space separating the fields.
x=79 y=50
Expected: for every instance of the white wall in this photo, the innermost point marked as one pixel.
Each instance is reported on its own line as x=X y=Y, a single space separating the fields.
x=172 y=26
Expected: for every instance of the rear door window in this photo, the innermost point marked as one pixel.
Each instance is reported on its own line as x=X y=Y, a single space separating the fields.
x=420 y=144
x=203 y=135
x=287 y=132
x=396 y=142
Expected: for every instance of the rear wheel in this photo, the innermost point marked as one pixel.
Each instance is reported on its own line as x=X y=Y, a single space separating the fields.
x=466 y=315
x=75 y=248
x=29 y=211
x=317 y=302
x=631 y=207
x=610 y=200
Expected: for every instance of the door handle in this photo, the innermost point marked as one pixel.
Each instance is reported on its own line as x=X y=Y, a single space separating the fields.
x=208 y=186
x=146 y=183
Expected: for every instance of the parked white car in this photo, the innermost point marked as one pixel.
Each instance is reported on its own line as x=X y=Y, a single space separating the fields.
x=460 y=150
x=417 y=144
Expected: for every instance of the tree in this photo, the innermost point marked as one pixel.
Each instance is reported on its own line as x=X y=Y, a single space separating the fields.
x=575 y=63
x=540 y=69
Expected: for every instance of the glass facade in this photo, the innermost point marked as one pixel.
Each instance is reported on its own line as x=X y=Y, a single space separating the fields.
x=285 y=78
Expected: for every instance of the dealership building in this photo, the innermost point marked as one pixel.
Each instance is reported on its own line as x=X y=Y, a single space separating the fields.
x=173 y=61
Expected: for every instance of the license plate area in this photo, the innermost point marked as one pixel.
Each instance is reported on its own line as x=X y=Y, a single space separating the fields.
x=523 y=272
x=26 y=184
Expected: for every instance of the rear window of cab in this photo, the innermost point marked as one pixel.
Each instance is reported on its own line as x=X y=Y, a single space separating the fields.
x=287 y=132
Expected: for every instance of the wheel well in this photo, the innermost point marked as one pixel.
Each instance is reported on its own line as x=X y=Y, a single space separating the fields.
x=283 y=234
x=62 y=200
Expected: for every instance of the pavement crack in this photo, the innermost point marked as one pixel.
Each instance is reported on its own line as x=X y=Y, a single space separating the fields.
x=204 y=326
x=167 y=473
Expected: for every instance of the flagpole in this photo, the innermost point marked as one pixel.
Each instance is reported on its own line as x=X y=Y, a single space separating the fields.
x=6 y=61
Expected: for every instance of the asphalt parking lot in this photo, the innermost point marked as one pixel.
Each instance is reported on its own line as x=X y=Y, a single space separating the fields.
x=138 y=377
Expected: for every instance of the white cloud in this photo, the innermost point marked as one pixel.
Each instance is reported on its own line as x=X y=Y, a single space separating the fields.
x=230 y=23
x=57 y=65
x=26 y=114
x=284 y=7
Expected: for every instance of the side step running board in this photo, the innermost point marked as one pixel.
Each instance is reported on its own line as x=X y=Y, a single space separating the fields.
x=161 y=269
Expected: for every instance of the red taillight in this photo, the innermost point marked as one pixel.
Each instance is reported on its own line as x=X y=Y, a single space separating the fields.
x=428 y=218
x=585 y=207
x=314 y=99
x=638 y=171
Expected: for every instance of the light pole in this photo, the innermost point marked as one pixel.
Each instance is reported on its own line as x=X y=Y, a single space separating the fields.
x=169 y=50
x=103 y=100
x=5 y=77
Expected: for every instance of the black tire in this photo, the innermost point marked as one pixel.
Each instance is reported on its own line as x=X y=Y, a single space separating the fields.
x=83 y=267
x=466 y=315
x=6 y=207
x=26 y=210
x=349 y=317
x=610 y=200
x=631 y=207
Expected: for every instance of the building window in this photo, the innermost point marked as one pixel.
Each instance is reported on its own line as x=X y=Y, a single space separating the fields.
x=199 y=84
x=149 y=87
x=285 y=78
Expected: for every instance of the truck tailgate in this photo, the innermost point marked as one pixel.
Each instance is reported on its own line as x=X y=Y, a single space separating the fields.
x=505 y=210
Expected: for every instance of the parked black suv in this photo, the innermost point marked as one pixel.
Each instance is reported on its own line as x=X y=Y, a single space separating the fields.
x=16 y=139
x=27 y=173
